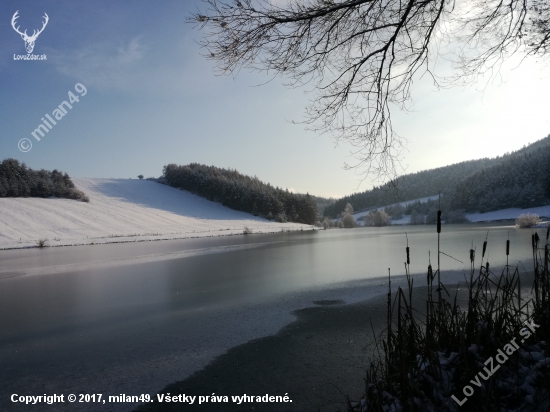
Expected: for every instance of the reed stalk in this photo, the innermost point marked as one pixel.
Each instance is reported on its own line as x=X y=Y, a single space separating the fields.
x=424 y=361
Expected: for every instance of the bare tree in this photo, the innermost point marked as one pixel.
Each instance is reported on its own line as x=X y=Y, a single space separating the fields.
x=348 y=221
x=348 y=209
x=491 y=31
x=377 y=218
x=347 y=216
x=361 y=56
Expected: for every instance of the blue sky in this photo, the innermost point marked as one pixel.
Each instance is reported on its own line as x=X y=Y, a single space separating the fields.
x=152 y=99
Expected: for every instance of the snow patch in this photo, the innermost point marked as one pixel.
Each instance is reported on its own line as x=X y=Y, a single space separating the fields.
x=404 y=204
x=508 y=214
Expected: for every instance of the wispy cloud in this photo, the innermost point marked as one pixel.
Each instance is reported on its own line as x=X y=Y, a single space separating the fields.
x=137 y=66
x=103 y=65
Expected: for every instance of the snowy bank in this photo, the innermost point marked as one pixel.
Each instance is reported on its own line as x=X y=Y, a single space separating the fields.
x=123 y=210
x=494 y=216
x=509 y=214
x=404 y=204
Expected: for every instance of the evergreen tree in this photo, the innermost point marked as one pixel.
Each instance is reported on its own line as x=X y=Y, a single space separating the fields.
x=17 y=180
x=241 y=192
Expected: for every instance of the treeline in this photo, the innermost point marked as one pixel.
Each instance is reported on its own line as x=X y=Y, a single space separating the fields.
x=426 y=212
x=323 y=202
x=241 y=192
x=17 y=180
x=408 y=187
x=519 y=179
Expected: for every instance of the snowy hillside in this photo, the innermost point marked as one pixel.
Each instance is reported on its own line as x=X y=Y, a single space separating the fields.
x=122 y=210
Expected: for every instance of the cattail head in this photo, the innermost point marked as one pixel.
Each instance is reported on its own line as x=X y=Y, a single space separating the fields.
x=408 y=257
x=472 y=255
x=484 y=249
x=507 y=247
x=439 y=221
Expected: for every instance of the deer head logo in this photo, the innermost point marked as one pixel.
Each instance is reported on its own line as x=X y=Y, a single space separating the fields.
x=29 y=40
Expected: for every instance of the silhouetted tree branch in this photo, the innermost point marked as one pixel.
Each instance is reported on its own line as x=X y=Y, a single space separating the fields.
x=361 y=56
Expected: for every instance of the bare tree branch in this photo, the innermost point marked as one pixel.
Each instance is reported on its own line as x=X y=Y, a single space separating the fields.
x=361 y=56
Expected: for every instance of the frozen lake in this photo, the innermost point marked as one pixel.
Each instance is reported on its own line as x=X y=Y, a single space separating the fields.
x=130 y=318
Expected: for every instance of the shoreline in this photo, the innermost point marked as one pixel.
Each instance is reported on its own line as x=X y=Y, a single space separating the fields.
x=121 y=360
x=158 y=349
x=266 y=339
x=121 y=239
x=140 y=238
x=123 y=211
x=207 y=234
x=132 y=211
x=182 y=346
x=317 y=360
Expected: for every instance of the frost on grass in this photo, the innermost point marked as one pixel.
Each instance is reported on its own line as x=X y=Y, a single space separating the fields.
x=489 y=356
x=527 y=220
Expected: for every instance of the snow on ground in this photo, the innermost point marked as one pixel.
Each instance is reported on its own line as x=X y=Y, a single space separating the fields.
x=122 y=210
x=542 y=211
x=504 y=214
x=405 y=204
x=405 y=220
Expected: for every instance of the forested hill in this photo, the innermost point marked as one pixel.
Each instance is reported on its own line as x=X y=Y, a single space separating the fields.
x=521 y=179
x=408 y=187
x=513 y=180
x=241 y=192
x=17 y=180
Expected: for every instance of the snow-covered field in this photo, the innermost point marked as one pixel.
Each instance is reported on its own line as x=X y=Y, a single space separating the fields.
x=122 y=210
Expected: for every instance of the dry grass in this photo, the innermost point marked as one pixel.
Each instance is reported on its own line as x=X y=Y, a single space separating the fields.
x=422 y=360
x=527 y=220
x=42 y=243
